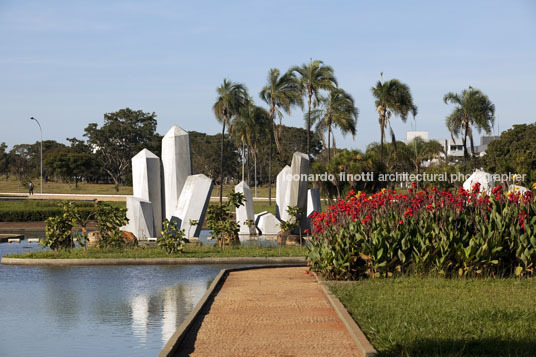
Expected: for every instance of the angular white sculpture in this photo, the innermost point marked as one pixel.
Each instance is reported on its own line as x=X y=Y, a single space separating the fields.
x=281 y=190
x=146 y=183
x=140 y=218
x=245 y=213
x=516 y=189
x=193 y=204
x=267 y=223
x=313 y=201
x=485 y=179
x=177 y=163
x=296 y=192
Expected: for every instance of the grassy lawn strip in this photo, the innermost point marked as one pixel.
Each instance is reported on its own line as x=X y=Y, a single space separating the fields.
x=190 y=251
x=444 y=317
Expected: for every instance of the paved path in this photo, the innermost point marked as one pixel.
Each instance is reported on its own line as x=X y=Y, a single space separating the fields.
x=270 y=312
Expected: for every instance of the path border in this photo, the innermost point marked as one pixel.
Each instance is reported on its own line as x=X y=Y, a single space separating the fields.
x=174 y=342
x=363 y=344
x=276 y=261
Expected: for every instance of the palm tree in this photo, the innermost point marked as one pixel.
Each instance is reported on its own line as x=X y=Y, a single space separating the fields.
x=251 y=124
x=473 y=108
x=338 y=110
x=281 y=92
x=392 y=97
x=231 y=97
x=314 y=77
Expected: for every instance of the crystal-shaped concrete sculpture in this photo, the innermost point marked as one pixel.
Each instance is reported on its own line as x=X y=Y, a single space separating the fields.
x=245 y=213
x=177 y=163
x=146 y=183
x=483 y=178
x=280 y=191
x=313 y=201
x=140 y=218
x=267 y=223
x=296 y=192
x=193 y=203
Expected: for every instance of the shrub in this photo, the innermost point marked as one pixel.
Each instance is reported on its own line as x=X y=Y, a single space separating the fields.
x=466 y=233
x=109 y=221
x=219 y=219
x=172 y=239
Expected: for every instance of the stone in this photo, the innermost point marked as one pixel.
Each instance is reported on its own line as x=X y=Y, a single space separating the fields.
x=280 y=190
x=193 y=203
x=146 y=185
x=93 y=238
x=141 y=222
x=313 y=201
x=267 y=223
x=485 y=179
x=245 y=213
x=177 y=165
x=296 y=192
x=33 y=240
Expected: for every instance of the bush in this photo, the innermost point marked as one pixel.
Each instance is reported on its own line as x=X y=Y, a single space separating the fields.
x=172 y=239
x=430 y=231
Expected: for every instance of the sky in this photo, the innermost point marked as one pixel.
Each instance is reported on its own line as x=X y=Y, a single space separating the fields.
x=69 y=62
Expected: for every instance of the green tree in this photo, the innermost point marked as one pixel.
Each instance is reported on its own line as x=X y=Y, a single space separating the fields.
x=231 y=97
x=314 y=77
x=472 y=109
x=281 y=92
x=123 y=134
x=4 y=160
x=423 y=150
x=392 y=97
x=206 y=155
x=338 y=109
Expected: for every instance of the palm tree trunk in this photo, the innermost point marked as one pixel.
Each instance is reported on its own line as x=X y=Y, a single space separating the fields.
x=221 y=162
x=308 y=124
x=465 y=143
x=255 y=158
x=243 y=159
x=270 y=175
x=329 y=142
x=382 y=137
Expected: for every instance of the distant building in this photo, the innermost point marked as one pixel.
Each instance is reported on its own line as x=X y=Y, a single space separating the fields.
x=454 y=147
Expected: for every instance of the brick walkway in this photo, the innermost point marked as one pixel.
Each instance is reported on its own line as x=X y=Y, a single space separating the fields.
x=269 y=312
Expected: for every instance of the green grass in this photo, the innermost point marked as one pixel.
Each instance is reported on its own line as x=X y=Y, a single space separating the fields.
x=190 y=251
x=444 y=317
x=13 y=186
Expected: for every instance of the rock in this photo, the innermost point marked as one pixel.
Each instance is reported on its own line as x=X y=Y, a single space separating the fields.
x=485 y=179
x=286 y=238
x=245 y=213
x=146 y=184
x=129 y=239
x=280 y=190
x=193 y=204
x=177 y=164
x=93 y=238
x=267 y=223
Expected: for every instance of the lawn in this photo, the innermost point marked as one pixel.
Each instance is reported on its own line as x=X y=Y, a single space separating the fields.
x=190 y=251
x=444 y=317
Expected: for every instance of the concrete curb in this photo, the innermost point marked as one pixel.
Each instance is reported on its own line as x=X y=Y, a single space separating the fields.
x=363 y=345
x=174 y=342
x=296 y=261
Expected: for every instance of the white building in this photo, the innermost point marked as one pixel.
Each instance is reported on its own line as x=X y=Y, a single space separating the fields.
x=454 y=147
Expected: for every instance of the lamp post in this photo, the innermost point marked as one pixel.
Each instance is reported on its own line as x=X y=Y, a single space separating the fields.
x=41 y=130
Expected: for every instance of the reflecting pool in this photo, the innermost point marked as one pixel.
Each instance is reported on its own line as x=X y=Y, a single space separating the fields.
x=94 y=311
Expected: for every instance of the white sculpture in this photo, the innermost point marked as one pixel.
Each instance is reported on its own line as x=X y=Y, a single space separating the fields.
x=146 y=183
x=245 y=213
x=140 y=218
x=267 y=223
x=516 y=189
x=296 y=192
x=280 y=190
x=313 y=201
x=193 y=203
x=177 y=163
x=485 y=179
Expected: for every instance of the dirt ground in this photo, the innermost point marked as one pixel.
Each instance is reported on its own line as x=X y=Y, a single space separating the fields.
x=270 y=312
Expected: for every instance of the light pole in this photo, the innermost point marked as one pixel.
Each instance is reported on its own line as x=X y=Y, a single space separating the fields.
x=41 y=130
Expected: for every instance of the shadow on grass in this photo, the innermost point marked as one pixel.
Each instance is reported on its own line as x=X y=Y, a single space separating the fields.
x=461 y=347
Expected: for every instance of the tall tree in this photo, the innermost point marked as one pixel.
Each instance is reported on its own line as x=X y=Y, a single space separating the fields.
x=231 y=97
x=4 y=160
x=281 y=92
x=123 y=134
x=314 y=77
x=472 y=109
x=338 y=109
x=392 y=97
x=252 y=124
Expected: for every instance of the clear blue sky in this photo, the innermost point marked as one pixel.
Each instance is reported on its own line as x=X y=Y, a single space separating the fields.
x=69 y=62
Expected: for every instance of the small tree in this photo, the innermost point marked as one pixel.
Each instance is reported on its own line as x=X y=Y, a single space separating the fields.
x=109 y=221
x=172 y=239
x=219 y=220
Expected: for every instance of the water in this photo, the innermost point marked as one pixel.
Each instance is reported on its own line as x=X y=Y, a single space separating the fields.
x=94 y=311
